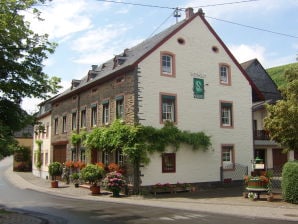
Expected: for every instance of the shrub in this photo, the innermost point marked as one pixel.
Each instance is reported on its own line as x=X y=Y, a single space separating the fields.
x=55 y=169
x=92 y=174
x=289 y=183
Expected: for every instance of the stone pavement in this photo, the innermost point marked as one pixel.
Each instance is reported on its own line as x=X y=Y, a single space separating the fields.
x=225 y=200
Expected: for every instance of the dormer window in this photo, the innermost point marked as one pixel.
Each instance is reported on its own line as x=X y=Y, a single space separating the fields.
x=91 y=75
x=75 y=83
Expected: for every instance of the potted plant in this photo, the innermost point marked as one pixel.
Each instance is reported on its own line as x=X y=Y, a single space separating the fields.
x=114 y=181
x=93 y=174
x=75 y=177
x=55 y=170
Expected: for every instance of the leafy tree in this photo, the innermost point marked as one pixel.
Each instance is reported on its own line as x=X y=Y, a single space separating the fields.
x=281 y=121
x=22 y=53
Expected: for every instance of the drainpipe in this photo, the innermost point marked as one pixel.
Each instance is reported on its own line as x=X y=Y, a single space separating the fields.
x=78 y=123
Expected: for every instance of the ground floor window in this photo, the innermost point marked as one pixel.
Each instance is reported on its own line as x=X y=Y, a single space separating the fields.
x=227 y=152
x=169 y=162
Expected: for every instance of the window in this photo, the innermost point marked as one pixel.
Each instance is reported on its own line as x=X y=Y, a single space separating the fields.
x=119 y=157
x=168 y=162
x=119 y=107
x=46 y=159
x=83 y=118
x=93 y=115
x=167 y=64
x=74 y=121
x=227 y=152
x=105 y=112
x=56 y=126
x=224 y=72
x=168 y=108
x=64 y=124
x=83 y=155
x=226 y=114
x=47 y=130
x=105 y=158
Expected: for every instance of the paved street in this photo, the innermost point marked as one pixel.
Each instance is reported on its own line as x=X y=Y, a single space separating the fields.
x=67 y=204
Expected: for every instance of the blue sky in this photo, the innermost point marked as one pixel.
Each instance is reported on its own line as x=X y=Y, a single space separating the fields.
x=90 y=31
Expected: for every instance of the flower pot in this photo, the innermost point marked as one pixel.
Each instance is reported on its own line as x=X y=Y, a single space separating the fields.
x=116 y=193
x=95 y=190
x=54 y=184
x=76 y=185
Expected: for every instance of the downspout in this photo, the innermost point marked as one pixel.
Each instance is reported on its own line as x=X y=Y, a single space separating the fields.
x=78 y=124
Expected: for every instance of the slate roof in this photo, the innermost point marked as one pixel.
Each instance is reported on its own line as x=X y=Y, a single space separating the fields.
x=129 y=57
x=262 y=80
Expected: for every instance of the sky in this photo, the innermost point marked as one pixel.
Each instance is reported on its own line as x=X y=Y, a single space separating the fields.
x=90 y=32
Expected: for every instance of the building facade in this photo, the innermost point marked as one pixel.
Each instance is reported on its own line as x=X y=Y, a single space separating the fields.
x=185 y=75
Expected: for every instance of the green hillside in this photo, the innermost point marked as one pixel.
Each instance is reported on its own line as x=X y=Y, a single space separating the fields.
x=276 y=73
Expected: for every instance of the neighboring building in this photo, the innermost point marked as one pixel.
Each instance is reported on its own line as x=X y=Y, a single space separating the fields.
x=42 y=132
x=24 y=136
x=185 y=74
x=264 y=148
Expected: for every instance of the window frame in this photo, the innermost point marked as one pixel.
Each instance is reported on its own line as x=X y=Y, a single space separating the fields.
x=172 y=65
x=174 y=110
x=230 y=150
x=56 y=123
x=64 y=124
x=74 y=120
x=83 y=123
x=227 y=73
x=106 y=112
x=223 y=104
x=120 y=108
x=172 y=158
x=93 y=115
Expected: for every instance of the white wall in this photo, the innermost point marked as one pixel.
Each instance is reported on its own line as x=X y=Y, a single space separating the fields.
x=196 y=56
x=45 y=148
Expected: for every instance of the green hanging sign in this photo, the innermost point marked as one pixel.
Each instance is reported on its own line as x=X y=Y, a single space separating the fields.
x=198 y=88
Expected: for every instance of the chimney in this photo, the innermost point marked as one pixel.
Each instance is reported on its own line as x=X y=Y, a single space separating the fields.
x=188 y=13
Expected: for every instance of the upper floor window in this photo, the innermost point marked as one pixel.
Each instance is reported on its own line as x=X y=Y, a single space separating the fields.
x=105 y=112
x=227 y=152
x=93 y=115
x=56 y=126
x=83 y=118
x=47 y=130
x=105 y=158
x=226 y=111
x=168 y=162
x=63 y=124
x=225 y=74
x=168 y=108
x=119 y=107
x=119 y=157
x=74 y=121
x=167 y=64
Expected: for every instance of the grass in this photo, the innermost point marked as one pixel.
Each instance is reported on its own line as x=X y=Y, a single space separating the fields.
x=277 y=73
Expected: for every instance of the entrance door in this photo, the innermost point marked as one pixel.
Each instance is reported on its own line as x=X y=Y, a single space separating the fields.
x=279 y=159
x=59 y=153
x=94 y=156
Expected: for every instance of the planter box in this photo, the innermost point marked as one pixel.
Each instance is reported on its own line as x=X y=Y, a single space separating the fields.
x=255 y=183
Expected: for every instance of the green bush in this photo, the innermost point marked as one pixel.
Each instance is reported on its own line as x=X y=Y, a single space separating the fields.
x=55 y=170
x=92 y=174
x=289 y=183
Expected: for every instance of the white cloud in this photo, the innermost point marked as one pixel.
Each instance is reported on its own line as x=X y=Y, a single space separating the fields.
x=245 y=52
x=62 y=18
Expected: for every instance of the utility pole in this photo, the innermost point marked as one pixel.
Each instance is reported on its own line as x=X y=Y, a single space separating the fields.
x=177 y=14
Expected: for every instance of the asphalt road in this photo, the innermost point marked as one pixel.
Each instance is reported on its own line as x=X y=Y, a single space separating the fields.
x=58 y=209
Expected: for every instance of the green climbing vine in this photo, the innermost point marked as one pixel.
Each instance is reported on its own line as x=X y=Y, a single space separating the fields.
x=38 y=154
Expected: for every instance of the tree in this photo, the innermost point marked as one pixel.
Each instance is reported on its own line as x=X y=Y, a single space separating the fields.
x=22 y=53
x=281 y=121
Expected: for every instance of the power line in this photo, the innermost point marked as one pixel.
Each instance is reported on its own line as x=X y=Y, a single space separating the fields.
x=167 y=7
x=161 y=24
x=252 y=27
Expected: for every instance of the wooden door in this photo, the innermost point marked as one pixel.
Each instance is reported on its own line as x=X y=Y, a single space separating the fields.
x=59 y=153
x=94 y=154
x=279 y=158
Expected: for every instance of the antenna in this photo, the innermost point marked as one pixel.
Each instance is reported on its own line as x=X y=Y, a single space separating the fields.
x=177 y=14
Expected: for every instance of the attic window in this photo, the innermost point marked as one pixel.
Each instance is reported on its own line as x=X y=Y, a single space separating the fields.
x=91 y=76
x=119 y=79
x=181 y=41
x=75 y=83
x=215 y=49
x=119 y=60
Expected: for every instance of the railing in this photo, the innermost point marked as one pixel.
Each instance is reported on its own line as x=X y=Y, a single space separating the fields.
x=261 y=135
